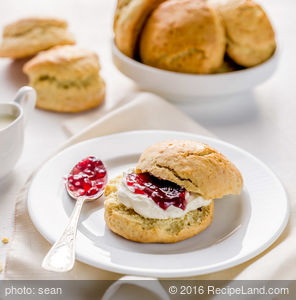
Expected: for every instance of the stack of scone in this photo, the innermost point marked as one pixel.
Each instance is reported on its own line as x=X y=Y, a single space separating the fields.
x=170 y=195
x=193 y=36
x=65 y=77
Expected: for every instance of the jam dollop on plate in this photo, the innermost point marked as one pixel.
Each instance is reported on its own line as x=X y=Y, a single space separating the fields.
x=163 y=192
x=87 y=178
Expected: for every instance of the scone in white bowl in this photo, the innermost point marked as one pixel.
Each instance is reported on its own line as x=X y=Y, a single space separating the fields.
x=180 y=87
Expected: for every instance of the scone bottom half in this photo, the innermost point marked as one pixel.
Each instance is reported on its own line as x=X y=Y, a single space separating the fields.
x=126 y=222
x=129 y=224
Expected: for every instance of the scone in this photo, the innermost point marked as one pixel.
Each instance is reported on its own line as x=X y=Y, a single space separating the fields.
x=130 y=16
x=183 y=36
x=66 y=79
x=250 y=36
x=27 y=37
x=170 y=195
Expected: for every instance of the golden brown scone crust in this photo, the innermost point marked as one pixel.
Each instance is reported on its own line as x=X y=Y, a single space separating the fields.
x=130 y=16
x=66 y=79
x=183 y=36
x=127 y=223
x=250 y=36
x=27 y=37
x=192 y=165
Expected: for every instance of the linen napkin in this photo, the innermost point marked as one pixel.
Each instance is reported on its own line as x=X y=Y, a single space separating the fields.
x=145 y=111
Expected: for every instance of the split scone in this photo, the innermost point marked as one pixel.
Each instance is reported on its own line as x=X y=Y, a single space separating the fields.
x=66 y=79
x=29 y=36
x=183 y=36
x=170 y=195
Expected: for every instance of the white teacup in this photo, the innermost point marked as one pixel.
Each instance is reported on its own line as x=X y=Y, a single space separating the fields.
x=13 y=118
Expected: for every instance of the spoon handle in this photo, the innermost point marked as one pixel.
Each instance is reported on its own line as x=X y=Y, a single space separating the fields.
x=61 y=256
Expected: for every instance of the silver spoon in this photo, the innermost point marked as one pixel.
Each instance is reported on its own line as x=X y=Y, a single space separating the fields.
x=61 y=256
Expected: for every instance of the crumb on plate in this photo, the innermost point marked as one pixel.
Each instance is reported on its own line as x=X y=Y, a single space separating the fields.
x=5 y=240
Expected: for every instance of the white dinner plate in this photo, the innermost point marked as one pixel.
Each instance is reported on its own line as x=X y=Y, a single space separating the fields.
x=243 y=226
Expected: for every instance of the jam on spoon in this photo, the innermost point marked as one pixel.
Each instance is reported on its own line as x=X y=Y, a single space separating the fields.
x=163 y=192
x=86 y=182
x=87 y=178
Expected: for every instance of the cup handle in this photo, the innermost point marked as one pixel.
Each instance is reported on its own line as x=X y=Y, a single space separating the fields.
x=26 y=97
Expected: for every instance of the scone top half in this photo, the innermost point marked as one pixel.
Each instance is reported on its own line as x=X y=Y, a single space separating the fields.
x=195 y=166
x=24 y=26
x=64 y=63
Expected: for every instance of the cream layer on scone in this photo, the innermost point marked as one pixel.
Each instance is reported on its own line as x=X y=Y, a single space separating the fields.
x=146 y=207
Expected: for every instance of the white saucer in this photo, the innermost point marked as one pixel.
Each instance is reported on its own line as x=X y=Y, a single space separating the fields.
x=243 y=226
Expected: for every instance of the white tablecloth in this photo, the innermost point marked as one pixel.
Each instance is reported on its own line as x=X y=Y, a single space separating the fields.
x=263 y=121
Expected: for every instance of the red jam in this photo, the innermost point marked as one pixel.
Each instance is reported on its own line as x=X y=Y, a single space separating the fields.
x=88 y=177
x=164 y=193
